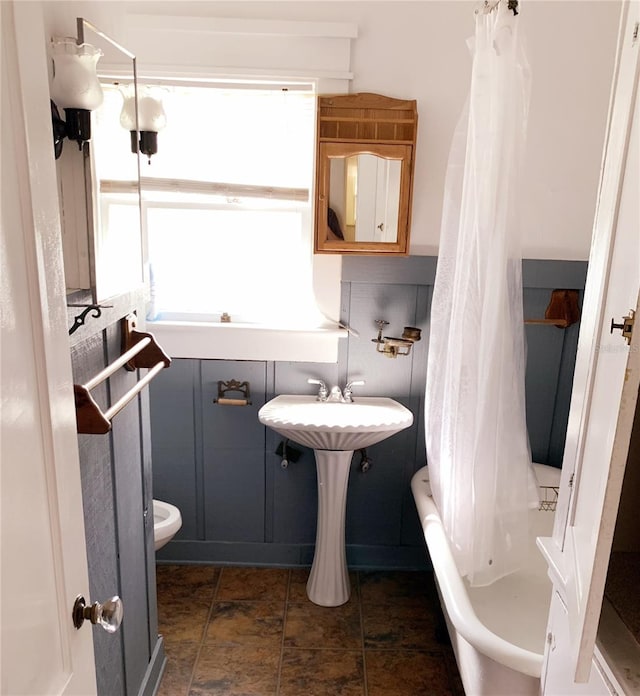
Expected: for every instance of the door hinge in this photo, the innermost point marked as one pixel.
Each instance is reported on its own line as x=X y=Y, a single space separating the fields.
x=626 y=327
x=635 y=34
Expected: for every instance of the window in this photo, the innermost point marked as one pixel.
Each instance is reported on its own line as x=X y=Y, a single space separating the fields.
x=226 y=205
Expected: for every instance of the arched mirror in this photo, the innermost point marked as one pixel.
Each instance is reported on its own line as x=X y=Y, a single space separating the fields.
x=365 y=149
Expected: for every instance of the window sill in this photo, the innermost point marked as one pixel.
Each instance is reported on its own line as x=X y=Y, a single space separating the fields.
x=237 y=341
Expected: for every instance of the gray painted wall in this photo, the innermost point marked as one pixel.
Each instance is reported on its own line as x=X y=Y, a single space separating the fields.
x=117 y=503
x=218 y=464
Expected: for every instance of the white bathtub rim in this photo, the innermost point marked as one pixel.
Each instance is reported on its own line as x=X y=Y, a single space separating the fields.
x=454 y=593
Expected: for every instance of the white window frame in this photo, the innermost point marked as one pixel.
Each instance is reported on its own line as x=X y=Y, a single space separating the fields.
x=316 y=52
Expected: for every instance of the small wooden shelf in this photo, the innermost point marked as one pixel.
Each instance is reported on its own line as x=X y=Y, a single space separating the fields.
x=562 y=310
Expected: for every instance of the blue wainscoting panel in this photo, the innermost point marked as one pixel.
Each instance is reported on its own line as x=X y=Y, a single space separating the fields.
x=233 y=449
x=220 y=463
x=542 y=376
x=294 y=497
x=173 y=421
x=563 y=396
x=374 y=498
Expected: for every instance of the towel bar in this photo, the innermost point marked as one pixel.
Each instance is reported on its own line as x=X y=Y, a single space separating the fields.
x=140 y=350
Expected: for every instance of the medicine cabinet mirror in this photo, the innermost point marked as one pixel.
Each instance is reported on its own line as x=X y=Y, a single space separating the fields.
x=100 y=187
x=364 y=177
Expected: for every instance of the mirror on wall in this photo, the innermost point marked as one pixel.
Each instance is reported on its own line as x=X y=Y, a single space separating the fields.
x=100 y=191
x=112 y=175
x=365 y=148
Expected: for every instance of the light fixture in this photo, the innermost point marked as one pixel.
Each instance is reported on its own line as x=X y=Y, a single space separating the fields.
x=151 y=118
x=392 y=347
x=75 y=88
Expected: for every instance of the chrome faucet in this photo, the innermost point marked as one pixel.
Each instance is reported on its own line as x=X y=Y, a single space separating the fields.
x=346 y=397
x=335 y=395
x=322 y=388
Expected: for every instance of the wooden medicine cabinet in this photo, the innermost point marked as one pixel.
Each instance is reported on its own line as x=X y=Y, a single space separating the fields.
x=364 y=177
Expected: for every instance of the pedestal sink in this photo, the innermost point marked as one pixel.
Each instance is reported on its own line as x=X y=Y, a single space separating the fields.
x=334 y=430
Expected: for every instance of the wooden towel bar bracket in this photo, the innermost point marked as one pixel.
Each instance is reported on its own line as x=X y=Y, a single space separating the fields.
x=150 y=355
x=139 y=350
x=562 y=310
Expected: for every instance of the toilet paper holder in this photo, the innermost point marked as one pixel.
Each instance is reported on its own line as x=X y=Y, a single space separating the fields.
x=233 y=385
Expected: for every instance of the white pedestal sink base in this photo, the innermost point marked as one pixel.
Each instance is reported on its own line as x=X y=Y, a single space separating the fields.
x=334 y=429
x=328 y=583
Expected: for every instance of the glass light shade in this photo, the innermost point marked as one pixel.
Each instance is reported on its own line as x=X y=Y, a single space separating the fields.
x=128 y=113
x=75 y=84
x=150 y=109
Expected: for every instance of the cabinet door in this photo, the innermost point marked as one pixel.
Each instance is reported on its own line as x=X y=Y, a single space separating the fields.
x=556 y=679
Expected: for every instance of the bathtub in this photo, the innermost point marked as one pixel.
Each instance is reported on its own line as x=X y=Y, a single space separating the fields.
x=497 y=632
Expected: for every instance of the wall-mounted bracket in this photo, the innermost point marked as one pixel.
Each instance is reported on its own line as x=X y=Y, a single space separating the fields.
x=562 y=310
x=150 y=355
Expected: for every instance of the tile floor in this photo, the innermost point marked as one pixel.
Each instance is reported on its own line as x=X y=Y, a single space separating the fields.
x=252 y=631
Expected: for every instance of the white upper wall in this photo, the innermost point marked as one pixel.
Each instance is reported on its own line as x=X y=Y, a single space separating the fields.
x=417 y=50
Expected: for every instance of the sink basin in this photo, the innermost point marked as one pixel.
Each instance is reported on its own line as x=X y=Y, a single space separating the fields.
x=334 y=430
x=328 y=425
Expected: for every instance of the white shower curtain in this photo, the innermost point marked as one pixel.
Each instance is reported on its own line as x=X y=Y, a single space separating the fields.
x=477 y=443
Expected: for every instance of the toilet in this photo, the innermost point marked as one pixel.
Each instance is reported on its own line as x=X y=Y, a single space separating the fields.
x=167 y=520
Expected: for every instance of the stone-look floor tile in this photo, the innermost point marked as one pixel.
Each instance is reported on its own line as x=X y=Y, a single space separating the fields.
x=182 y=619
x=245 y=623
x=181 y=658
x=239 y=671
x=310 y=626
x=388 y=626
x=253 y=583
x=321 y=673
x=298 y=585
x=183 y=581
x=397 y=587
x=406 y=673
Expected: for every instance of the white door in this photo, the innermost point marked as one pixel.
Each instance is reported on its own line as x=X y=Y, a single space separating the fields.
x=43 y=561
x=606 y=377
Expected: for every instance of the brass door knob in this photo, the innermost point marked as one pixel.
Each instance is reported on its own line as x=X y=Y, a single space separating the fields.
x=626 y=327
x=108 y=615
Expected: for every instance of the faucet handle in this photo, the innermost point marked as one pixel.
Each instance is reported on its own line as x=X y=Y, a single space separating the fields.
x=322 y=388
x=349 y=388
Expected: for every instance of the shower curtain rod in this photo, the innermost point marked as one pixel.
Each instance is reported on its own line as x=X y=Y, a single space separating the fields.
x=490 y=5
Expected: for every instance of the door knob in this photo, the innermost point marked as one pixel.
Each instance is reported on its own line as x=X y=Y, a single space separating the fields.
x=626 y=326
x=107 y=615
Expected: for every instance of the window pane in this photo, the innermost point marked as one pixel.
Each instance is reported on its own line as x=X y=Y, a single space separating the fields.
x=243 y=136
x=214 y=248
x=252 y=264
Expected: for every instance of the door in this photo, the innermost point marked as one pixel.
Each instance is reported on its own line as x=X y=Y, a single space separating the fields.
x=43 y=556
x=607 y=373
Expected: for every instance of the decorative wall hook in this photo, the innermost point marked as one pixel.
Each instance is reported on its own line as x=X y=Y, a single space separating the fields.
x=80 y=319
